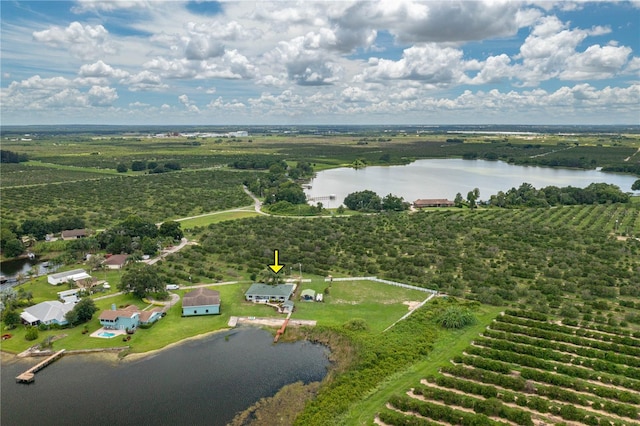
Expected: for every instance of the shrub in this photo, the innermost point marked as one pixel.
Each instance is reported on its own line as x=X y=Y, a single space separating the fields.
x=456 y=317
x=31 y=334
x=356 y=324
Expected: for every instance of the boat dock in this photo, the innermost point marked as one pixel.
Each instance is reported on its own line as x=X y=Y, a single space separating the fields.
x=29 y=375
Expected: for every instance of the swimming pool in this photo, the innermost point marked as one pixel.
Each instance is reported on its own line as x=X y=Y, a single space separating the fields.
x=106 y=334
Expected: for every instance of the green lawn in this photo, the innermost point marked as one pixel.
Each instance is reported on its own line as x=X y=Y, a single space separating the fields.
x=378 y=304
x=217 y=217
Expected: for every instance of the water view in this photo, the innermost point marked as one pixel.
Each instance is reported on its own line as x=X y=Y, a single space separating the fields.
x=200 y=382
x=444 y=178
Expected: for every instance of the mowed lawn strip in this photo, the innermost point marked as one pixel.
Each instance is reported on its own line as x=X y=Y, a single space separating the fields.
x=380 y=305
x=216 y=217
x=449 y=344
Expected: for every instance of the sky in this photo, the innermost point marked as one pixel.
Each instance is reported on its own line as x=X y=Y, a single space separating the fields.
x=327 y=62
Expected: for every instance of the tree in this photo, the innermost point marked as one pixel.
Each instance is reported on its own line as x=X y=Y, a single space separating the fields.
x=121 y=168
x=138 y=165
x=171 y=229
x=458 y=201
x=141 y=279
x=363 y=201
x=636 y=185
x=36 y=227
x=472 y=198
x=82 y=312
x=11 y=319
x=13 y=248
x=393 y=203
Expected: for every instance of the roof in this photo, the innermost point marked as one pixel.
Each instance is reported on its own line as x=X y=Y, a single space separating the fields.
x=112 y=314
x=71 y=292
x=288 y=303
x=308 y=292
x=61 y=275
x=116 y=259
x=433 y=201
x=72 y=233
x=145 y=315
x=201 y=297
x=278 y=290
x=49 y=310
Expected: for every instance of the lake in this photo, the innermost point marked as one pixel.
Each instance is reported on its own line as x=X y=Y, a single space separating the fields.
x=444 y=178
x=199 y=382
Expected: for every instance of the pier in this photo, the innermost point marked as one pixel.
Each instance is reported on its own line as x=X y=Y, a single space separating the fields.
x=29 y=375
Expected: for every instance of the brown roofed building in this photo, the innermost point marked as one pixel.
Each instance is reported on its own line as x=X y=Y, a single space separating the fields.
x=201 y=301
x=436 y=202
x=73 y=234
x=116 y=261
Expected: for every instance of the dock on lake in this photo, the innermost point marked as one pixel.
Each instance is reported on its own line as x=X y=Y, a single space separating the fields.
x=29 y=375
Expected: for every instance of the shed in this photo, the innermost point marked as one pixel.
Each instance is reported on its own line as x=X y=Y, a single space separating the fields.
x=69 y=296
x=308 y=295
x=201 y=301
x=287 y=307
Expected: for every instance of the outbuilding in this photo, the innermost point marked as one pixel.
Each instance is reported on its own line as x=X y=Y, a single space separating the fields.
x=308 y=295
x=201 y=301
x=63 y=277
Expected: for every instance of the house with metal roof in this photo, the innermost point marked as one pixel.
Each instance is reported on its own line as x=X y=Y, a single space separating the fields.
x=201 y=301
x=263 y=293
x=48 y=312
x=63 y=277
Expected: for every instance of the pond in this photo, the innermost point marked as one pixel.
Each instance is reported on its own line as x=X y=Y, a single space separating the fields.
x=444 y=178
x=198 y=382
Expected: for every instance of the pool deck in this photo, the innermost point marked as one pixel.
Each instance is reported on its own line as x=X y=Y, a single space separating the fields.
x=115 y=333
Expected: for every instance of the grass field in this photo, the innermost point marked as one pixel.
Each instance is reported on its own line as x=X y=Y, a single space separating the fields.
x=217 y=217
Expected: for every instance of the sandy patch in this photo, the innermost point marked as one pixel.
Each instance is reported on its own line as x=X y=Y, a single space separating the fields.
x=412 y=304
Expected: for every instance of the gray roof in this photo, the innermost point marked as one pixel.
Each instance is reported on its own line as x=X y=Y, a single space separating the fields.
x=275 y=291
x=50 y=310
x=61 y=275
x=201 y=297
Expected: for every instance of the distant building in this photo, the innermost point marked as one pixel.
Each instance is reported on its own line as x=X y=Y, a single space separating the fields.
x=69 y=296
x=437 y=202
x=49 y=312
x=73 y=234
x=116 y=261
x=201 y=301
x=262 y=293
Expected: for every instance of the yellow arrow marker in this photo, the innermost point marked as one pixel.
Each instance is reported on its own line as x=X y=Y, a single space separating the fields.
x=276 y=266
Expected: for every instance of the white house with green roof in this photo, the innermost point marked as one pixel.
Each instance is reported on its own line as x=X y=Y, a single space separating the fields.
x=263 y=293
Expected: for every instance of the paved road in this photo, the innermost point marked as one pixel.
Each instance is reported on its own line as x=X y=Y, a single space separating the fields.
x=257 y=204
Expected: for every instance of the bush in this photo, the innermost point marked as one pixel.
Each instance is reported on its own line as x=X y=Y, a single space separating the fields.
x=456 y=317
x=356 y=324
x=32 y=333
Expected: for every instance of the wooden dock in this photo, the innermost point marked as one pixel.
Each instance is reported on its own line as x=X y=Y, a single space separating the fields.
x=29 y=375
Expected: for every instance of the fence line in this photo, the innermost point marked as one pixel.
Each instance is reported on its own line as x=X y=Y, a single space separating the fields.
x=380 y=280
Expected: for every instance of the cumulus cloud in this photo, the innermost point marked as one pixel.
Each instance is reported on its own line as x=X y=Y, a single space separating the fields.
x=188 y=104
x=100 y=69
x=83 y=41
x=83 y=6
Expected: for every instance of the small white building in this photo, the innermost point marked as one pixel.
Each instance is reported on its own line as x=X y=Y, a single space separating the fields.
x=63 y=277
x=69 y=296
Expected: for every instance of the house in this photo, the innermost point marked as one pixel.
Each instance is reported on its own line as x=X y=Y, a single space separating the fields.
x=308 y=295
x=49 y=312
x=201 y=301
x=63 y=277
x=73 y=234
x=128 y=318
x=69 y=296
x=120 y=319
x=263 y=293
x=437 y=202
x=116 y=261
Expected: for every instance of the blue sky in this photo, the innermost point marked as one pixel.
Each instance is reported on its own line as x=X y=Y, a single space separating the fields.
x=327 y=62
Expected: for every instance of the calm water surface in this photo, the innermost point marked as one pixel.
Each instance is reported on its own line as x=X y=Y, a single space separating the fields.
x=201 y=382
x=444 y=178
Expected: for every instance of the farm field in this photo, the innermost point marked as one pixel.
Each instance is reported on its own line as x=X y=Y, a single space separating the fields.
x=524 y=370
